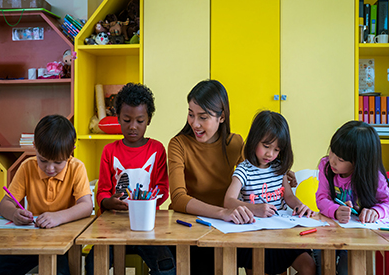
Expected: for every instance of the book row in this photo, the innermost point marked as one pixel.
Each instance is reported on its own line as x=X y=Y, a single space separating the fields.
x=71 y=27
x=373 y=109
x=375 y=17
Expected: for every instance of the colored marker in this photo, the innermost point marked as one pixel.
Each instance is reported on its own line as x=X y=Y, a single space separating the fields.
x=264 y=201
x=154 y=191
x=9 y=193
x=128 y=193
x=342 y=203
x=148 y=195
x=203 y=222
x=136 y=191
x=308 y=232
x=384 y=228
x=184 y=223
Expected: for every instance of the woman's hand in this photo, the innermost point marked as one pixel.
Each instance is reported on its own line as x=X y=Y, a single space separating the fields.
x=368 y=215
x=302 y=210
x=239 y=215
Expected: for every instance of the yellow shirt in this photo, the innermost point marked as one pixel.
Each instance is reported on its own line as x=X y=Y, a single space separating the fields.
x=200 y=170
x=50 y=194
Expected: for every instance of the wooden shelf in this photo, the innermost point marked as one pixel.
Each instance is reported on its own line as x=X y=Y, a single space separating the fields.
x=17 y=149
x=379 y=49
x=35 y=81
x=111 y=50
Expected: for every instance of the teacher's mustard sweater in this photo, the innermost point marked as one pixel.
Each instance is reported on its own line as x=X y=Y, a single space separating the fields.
x=200 y=170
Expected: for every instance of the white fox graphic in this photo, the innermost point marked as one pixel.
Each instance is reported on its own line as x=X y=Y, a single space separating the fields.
x=128 y=178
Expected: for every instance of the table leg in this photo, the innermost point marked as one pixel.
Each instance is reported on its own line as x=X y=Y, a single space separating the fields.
x=183 y=259
x=258 y=261
x=229 y=261
x=328 y=262
x=218 y=261
x=370 y=262
x=119 y=258
x=101 y=259
x=48 y=264
x=356 y=262
x=74 y=257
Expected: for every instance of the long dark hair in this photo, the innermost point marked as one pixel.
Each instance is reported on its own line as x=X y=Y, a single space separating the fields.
x=268 y=127
x=212 y=97
x=358 y=143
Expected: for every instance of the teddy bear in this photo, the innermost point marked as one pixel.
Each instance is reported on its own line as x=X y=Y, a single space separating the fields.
x=115 y=28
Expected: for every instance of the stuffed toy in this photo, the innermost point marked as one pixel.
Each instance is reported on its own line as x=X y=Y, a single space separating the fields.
x=118 y=39
x=67 y=58
x=117 y=28
x=99 y=27
x=102 y=38
x=90 y=40
x=131 y=12
x=135 y=38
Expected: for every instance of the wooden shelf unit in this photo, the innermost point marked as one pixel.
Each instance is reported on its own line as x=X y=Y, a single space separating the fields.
x=101 y=64
x=24 y=102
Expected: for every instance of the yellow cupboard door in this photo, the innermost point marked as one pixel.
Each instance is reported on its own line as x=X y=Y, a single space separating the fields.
x=317 y=73
x=245 y=56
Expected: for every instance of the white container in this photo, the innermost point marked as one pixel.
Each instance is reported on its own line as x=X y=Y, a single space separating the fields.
x=32 y=73
x=142 y=214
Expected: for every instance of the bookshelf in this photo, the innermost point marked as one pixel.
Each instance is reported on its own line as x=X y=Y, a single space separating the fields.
x=24 y=102
x=101 y=64
x=380 y=53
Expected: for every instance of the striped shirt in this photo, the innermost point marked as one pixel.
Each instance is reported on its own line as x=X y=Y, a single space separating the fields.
x=261 y=182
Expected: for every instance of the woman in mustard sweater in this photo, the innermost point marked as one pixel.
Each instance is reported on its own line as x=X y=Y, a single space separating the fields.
x=202 y=158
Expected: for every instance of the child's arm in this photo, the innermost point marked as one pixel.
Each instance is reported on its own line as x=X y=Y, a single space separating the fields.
x=83 y=208
x=9 y=211
x=324 y=201
x=293 y=202
x=231 y=201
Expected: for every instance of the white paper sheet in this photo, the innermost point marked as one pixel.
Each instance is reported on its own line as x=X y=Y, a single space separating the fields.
x=7 y=224
x=284 y=221
x=355 y=223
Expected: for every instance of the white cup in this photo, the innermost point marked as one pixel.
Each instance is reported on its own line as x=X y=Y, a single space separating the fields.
x=382 y=38
x=32 y=73
x=41 y=71
x=142 y=214
x=371 y=38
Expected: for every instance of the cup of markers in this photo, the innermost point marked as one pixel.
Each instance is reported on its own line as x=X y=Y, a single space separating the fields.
x=141 y=208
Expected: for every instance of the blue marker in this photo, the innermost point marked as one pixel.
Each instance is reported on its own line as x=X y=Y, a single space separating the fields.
x=264 y=201
x=136 y=191
x=184 y=223
x=203 y=222
x=342 y=203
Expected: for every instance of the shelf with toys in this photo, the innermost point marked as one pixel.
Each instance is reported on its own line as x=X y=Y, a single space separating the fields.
x=108 y=65
x=36 y=79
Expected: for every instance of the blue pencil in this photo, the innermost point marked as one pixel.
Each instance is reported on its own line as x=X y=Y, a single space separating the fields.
x=136 y=191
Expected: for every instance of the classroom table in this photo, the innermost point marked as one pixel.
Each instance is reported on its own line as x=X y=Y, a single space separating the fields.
x=113 y=228
x=360 y=244
x=47 y=243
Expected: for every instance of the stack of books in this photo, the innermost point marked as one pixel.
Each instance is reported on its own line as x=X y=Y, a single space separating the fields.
x=71 y=27
x=26 y=139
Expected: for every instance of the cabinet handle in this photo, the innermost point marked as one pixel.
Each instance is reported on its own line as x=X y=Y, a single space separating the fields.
x=276 y=97
x=283 y=97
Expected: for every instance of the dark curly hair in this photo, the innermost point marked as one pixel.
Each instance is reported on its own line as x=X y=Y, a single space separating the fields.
x=134 y=95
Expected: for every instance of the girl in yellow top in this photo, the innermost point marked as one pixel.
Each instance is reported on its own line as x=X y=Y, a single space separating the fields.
x=202 y=158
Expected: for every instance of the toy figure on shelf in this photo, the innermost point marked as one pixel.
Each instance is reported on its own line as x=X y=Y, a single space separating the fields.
x=67 y=58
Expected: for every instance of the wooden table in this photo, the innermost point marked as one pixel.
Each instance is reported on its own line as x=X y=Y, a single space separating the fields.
x=113 y=228
x=47 y=243
x=360 y=243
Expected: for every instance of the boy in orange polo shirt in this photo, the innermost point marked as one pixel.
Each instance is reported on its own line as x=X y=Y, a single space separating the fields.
x=56 y=187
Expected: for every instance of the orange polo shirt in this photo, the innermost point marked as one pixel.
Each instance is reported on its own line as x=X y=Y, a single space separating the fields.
x=50 y=194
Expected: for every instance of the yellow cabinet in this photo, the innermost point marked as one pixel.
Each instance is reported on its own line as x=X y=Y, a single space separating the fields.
x=380 y=53
x=101 y=64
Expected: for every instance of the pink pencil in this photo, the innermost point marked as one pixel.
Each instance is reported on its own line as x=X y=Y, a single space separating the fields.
x=9 y=193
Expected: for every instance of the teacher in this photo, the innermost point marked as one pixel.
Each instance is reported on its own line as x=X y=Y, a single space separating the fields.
x=201 y=160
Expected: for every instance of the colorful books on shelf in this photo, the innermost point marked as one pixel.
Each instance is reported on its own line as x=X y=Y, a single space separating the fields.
x=26 y=139
x=382 y=17
x=71 y=26
x=373 y=110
